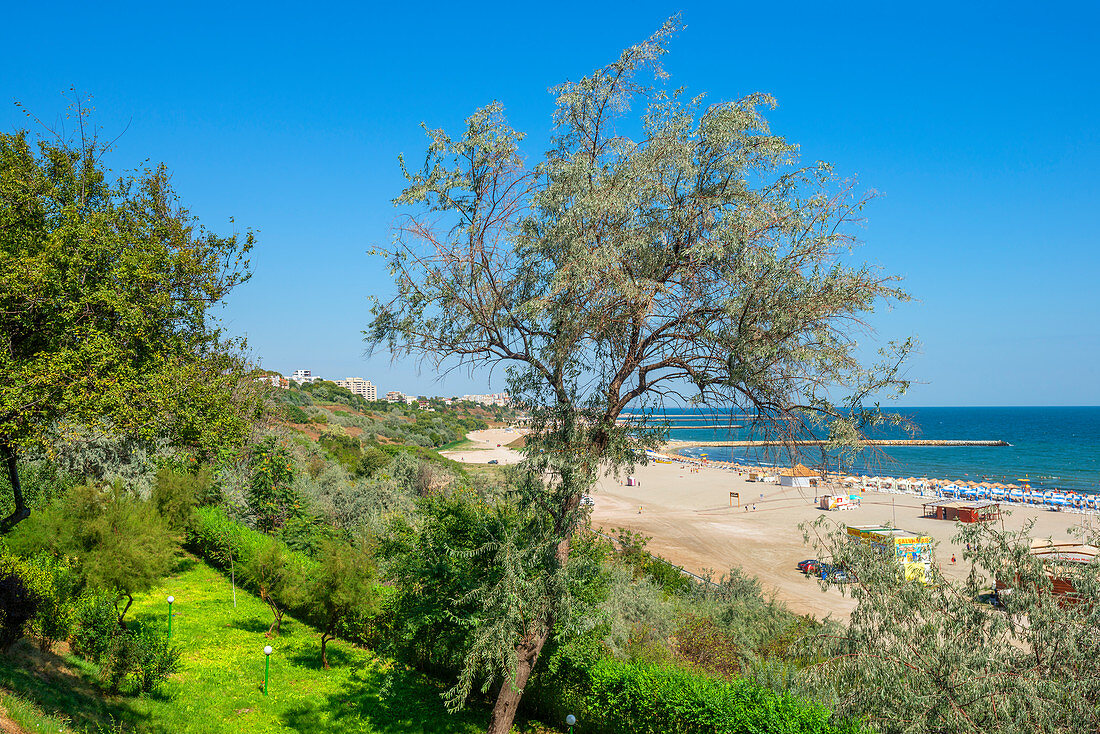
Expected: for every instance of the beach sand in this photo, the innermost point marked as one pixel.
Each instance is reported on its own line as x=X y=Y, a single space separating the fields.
x=487 y=447
x=689 y=519
x=688 y=516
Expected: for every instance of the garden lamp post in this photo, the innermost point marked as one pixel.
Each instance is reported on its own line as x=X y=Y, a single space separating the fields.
x=267 y=664
x=570 y=720
x=170 y=600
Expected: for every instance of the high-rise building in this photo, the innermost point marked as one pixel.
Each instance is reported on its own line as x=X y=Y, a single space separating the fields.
x=359 y=386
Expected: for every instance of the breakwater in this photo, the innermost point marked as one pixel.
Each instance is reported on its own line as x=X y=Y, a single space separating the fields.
x=679 y=444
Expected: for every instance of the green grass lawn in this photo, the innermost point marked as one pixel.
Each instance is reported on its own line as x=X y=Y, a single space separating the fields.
x=219 y=686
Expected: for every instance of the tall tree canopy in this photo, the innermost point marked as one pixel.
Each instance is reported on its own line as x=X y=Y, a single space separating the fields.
x=682 y=256
x=106 y=291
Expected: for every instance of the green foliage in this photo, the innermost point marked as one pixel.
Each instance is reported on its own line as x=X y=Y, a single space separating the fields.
x=645 y=699
x=106 y=291
x=294 y=414
x=96 y=624
x=372 y=460
x=271 y=497
x=342 y=590
x=273 y=575
x=18 y=606
x=175 y=496
x=119 y=542
x=157 y=659
x=56 y=584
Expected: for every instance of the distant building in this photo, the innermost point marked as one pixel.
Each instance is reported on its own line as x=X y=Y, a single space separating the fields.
x=303 y=376
x=394 y=396
x=500 y=398
x=359 y=386
x=275 y=380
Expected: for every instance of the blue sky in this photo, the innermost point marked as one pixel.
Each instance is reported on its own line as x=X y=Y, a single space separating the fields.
x=977 y=123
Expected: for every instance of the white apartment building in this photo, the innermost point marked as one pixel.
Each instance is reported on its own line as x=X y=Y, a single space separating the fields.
x=302 y=376
x=359 y=386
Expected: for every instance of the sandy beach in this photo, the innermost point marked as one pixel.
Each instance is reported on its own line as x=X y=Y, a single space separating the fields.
x=689 y=518
x=490 y=444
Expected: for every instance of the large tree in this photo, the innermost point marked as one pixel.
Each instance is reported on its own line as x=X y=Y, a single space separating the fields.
x=106 y=294
x=682 y=256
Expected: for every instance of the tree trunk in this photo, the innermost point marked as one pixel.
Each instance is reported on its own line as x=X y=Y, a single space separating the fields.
x=527 y=653
x=20 y=513
x=324 y=653
x=511 y=692
x=129 y=600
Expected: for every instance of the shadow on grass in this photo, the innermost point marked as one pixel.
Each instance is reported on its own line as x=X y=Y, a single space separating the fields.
x=310 y=658
x=254 y=625
x=387 y=700
x=62 y=689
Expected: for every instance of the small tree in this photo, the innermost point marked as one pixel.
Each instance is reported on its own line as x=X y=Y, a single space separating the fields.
x=270 y=496
x=119 y=541
x=940 y=657
x=269 y=572
x=342 y=589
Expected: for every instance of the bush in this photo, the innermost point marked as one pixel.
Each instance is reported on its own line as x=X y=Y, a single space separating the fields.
x=95 y=627
x=649 y=699
x=18 y=605
x=56 y=584
x=175 y=496
x=294 y=414
x=156 y=660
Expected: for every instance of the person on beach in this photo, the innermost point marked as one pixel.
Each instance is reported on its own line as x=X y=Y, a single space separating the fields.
x=952 y=559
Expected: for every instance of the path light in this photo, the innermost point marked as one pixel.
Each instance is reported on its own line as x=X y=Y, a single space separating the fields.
x=570 y=720
x=170 y=600
x=267 y=664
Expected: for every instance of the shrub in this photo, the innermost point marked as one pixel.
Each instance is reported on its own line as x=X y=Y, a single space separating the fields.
x=95 y=626
x=649 y=699
x=56 y=583
x=294 y=414
x=373 y=459
x=18 y=605
x=175 y=495
x=156 y=660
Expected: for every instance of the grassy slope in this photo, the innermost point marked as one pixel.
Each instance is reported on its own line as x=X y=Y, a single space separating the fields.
x=219 y=688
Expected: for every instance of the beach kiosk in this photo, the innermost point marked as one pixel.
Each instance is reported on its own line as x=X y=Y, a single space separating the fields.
x=963 y=510
x=912 y=552
x=798 y=476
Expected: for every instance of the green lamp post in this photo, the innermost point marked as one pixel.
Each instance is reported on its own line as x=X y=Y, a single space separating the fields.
x=267 y=665
x=170 y=600
x=570 y=720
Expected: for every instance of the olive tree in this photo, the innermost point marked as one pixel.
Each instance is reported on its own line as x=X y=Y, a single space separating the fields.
x=683 y=256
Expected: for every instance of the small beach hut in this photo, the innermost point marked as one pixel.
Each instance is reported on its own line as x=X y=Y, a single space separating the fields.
x=797 y=476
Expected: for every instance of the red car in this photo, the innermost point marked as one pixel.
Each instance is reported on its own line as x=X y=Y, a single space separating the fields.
x=810 y=565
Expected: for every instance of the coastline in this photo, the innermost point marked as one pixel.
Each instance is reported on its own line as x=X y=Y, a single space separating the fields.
x=685 y=510
x=684 y=507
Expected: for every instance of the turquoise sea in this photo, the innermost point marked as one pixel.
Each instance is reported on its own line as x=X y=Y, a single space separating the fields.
x=1054 y=448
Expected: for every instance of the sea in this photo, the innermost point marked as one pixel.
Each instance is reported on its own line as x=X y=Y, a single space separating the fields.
x=1051 y=448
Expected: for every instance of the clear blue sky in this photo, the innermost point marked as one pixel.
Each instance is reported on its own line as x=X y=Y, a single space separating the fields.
x=978 y=123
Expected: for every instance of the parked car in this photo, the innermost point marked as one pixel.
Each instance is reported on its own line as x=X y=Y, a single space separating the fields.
x=808 y=566
x=493 y=461
x=587 y=501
